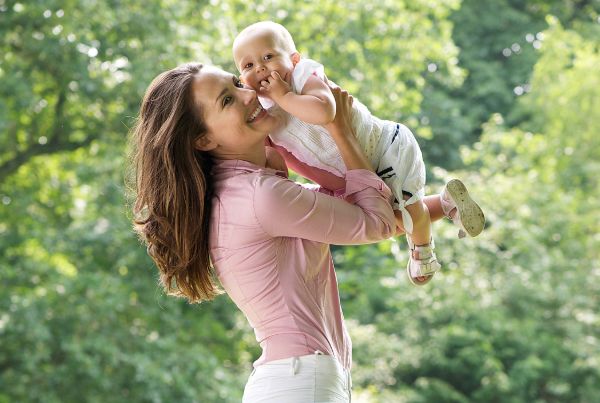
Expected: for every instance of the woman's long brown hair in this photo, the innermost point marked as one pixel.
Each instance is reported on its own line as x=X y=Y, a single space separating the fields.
x=172 y=185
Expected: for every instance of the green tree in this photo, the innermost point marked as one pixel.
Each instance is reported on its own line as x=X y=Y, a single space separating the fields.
x=513 y=318
x=499 y=44
x=81 y=313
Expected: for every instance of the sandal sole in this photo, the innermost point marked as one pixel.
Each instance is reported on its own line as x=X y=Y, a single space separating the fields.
x=426 y=277
x=414 y=281
x=471 y=216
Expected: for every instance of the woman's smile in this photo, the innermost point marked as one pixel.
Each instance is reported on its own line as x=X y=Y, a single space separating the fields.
x=258 y=113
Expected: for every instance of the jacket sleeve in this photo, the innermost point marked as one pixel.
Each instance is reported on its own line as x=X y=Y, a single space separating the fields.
x=361 y=214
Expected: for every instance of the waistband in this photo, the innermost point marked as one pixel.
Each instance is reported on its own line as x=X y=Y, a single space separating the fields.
x=295 y=365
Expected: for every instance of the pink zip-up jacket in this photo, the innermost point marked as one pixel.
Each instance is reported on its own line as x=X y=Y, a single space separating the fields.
x=269 y=244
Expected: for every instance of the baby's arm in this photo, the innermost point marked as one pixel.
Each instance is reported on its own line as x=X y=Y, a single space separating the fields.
x=314 y=105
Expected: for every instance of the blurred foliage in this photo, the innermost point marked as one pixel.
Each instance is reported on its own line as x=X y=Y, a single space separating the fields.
x=499 y=44
x=512 y=318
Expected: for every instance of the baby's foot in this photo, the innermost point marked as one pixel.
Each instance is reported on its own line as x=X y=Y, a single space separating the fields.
x=461 y=209
x=422 y=263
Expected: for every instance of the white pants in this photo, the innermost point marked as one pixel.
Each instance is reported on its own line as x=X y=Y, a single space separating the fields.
x=309 y=378
x=402 y=168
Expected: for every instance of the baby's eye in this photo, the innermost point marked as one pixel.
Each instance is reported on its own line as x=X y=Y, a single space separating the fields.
x=248 y=65
x=227 y=100
x=268 y=57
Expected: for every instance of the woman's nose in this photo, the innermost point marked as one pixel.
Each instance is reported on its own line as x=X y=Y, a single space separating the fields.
x=248 y=95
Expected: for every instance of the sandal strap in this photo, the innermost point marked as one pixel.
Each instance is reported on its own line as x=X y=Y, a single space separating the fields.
x=425 y=269
x=447 y=205
x=426 y=263
x=424 y=250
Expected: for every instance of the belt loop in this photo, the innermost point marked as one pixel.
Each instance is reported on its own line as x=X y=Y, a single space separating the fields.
x=295 y=362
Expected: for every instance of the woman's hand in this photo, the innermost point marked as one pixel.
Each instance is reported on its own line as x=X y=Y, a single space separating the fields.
x=343 y=133
x=275 y=160
x=342 y=123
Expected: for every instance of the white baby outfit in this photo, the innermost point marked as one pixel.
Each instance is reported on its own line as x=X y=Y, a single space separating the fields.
x=390 y=147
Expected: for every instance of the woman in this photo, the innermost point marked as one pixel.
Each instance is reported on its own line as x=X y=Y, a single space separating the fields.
x=207 y=192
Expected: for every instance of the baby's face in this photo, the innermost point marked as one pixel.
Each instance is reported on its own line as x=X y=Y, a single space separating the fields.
x=258 y=54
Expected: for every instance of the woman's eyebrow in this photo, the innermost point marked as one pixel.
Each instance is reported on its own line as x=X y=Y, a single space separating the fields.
x=233 y=78
x=221 y=94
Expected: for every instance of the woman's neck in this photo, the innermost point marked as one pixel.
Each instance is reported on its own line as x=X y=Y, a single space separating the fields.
x=259 y=159
x=256 y=156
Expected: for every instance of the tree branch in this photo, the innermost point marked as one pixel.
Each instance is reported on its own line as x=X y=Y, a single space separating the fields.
x=55 y=142
x=10 y=166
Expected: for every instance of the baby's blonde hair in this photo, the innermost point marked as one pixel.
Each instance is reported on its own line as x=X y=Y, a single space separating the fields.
x=280 y=34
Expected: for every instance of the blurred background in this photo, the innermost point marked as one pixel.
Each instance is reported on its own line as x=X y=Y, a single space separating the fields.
x=504 y=94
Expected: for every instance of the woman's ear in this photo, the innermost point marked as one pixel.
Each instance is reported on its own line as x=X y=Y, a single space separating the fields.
x=295 y=58
x=204 y=143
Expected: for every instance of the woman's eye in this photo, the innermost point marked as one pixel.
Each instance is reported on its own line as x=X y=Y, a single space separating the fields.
x=227 y=100
x=238 y=83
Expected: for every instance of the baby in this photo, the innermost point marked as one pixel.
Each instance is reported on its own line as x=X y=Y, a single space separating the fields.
x=266 y=56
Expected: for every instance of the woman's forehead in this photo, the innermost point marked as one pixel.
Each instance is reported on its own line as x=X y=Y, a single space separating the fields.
x=209 y=83
x=212 y=75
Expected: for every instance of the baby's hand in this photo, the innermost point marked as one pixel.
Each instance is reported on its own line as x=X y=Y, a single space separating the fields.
x=274 y=87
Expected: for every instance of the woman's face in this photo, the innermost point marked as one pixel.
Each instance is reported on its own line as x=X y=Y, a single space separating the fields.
x=236 y=122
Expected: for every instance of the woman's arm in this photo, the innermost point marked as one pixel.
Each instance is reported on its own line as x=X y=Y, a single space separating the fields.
x=338 y=128
x=274 y=159
x=343 y=133
x=315 y=104
x=323 y=178
x=363 y=215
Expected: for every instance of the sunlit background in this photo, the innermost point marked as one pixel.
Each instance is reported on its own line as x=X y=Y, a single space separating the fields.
x=504 y=94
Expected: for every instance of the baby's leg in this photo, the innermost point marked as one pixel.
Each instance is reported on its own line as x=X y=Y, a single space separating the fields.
x=421 y=235
x=419 y=213
x=433 y=206
x=470 y=214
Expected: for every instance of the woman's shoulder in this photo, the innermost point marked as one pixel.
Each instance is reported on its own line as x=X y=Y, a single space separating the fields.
x=239 y=197
x=241 y=205
x=270 y=181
